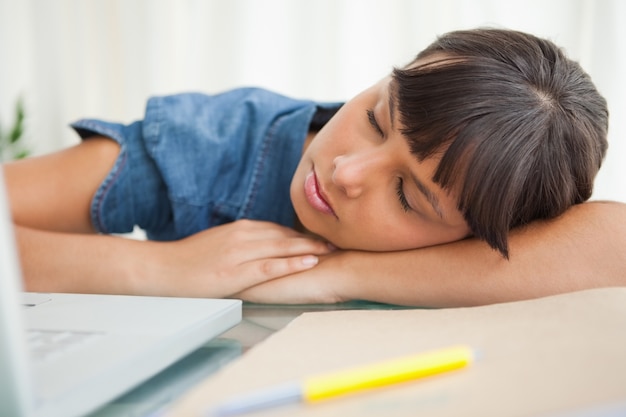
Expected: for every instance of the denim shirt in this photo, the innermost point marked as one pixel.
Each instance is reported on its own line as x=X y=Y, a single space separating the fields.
x=196 y=161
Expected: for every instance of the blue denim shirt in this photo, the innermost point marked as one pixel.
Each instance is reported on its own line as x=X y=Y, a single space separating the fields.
x=197 y=161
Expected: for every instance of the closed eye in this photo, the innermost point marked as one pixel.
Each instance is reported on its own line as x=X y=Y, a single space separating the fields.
x=374 y=123
x=401 y=196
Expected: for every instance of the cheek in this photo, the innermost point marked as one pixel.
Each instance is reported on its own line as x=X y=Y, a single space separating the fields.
x=379 y=231
x=395 y=233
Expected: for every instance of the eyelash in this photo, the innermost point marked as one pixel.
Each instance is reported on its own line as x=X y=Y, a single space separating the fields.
x=401 y=197
x=399 y=189
x=373 y=122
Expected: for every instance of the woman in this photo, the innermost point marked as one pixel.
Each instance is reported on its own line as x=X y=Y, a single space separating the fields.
x=485 y=132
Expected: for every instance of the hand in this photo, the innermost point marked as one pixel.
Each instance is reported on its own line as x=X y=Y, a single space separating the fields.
x=327 y=283
x=228 y=259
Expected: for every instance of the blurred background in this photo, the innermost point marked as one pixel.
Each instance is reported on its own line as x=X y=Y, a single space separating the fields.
x=68 y=59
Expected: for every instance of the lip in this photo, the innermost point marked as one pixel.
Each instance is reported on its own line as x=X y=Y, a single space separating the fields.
x=315 y=195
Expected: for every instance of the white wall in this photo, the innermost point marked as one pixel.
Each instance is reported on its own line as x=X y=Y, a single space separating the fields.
x=103 y=58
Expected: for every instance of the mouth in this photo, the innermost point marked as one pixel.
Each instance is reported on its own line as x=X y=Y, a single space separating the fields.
x=314 y=195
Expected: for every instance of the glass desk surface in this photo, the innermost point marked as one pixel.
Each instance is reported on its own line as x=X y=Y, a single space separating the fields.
x=259 y=321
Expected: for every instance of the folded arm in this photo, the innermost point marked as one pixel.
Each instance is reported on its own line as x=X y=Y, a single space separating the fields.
x=215 y=263
x=584 y=248
x=50 y=199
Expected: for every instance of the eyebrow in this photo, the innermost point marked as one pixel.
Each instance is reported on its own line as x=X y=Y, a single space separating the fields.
x=430 y=196
x=392 y=103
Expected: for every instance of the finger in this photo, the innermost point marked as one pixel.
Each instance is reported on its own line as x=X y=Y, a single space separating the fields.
x=306 y=287
x=256 y=272
x=281 y=248
x=246 y=230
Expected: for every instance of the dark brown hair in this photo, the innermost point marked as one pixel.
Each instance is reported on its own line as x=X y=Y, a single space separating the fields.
x=520 y=128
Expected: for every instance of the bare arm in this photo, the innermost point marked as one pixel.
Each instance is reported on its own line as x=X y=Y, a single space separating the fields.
x=50 y=198
x=584 y=248
x=215 y=263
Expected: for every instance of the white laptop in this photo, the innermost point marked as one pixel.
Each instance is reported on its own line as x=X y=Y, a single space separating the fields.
x=108 y=344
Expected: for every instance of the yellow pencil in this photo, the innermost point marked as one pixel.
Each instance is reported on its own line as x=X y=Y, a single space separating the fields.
x=325 y=386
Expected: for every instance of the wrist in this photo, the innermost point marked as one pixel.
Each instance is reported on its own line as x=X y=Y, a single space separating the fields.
x=143 y=268
x=347 y=277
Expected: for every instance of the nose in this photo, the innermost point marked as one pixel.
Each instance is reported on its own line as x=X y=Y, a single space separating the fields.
x=355 y=173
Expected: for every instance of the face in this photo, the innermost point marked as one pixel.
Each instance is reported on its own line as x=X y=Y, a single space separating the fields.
x=359 y=186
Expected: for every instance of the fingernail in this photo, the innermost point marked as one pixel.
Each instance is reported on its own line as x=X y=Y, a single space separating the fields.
x=310 y=260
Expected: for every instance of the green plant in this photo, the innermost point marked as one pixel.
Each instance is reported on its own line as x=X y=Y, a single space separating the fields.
x=11 y=146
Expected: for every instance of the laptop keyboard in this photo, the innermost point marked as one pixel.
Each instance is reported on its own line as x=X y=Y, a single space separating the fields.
x=46 y=344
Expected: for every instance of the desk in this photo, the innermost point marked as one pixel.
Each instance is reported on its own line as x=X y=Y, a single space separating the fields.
x=527 y=351
x=259 y=322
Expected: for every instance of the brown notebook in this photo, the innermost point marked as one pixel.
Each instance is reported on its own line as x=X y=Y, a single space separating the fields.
x=539 y=357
